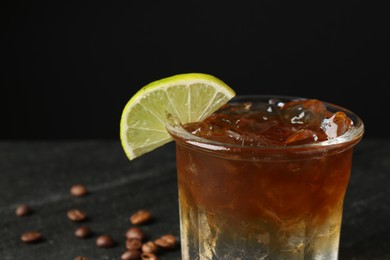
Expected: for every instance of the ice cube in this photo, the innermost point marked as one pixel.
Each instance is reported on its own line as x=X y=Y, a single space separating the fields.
x=302 y=136
x=307 y=113
x=336 y=125
x=198 y=128
x=255 y=123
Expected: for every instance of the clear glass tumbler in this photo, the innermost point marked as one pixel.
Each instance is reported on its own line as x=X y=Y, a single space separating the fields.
x=267 y=202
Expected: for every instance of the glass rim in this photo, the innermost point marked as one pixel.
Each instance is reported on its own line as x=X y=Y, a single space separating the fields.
x=351 y=137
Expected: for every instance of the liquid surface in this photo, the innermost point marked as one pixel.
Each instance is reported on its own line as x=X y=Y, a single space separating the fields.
x=272 y=124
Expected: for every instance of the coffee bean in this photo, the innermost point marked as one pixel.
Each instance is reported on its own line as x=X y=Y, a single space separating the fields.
x=78 y=190
x=81 y=258
x=31 y=237
x=148 y=256
x=76 y=215
x=141 y=217
x=83 y=232
x=149 y=247
x=135 y=232
x=131 y=255
x=166 y=242
x=105 y=241
x=133 y=244
x=22 y=210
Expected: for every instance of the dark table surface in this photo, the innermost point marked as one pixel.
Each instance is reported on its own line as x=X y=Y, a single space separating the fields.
x=40 y=173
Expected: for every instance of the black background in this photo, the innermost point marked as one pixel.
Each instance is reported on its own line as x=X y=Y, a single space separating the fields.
x=68 y=68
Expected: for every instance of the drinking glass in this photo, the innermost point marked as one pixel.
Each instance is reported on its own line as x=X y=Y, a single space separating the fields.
x=264 y=202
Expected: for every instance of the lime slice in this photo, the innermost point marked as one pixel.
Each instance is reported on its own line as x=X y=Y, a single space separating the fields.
x=189 y=97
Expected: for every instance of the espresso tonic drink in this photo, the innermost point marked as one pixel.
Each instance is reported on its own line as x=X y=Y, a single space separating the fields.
x=265 y=178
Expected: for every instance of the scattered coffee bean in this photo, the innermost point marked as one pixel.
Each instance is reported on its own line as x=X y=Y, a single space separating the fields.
x=31 y=237
x=166 y=241
x=135 y=232
x=22 y=210
x=149 y=247
x=148 y=256
x=78 y=190
x=83 y=232
x=76 y=215
x=131 y=255
x=81 y=258
x=105 y=241
x=133 y=244
x=141 y=217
